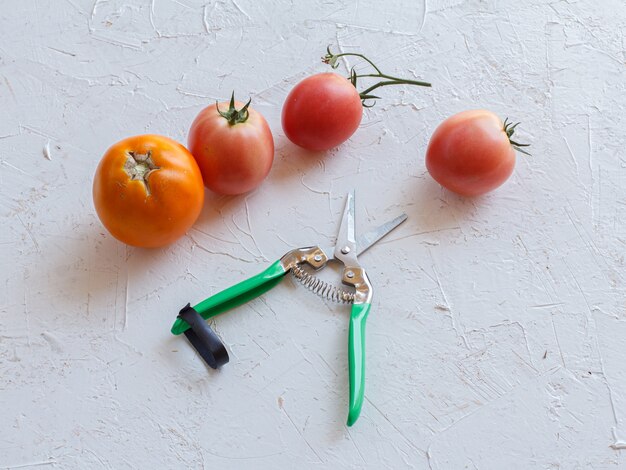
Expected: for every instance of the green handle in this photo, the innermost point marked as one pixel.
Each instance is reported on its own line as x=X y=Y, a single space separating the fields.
x=356 y=359
x=235 y=295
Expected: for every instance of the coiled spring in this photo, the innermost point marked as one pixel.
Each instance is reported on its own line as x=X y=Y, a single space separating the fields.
x=322 y=288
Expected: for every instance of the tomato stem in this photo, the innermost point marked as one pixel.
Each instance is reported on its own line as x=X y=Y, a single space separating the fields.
x=509 y=129
x=233 y=115
x=331 y=59
x=139 y=166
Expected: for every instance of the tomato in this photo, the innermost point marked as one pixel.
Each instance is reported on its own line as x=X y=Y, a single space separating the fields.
x=148 y=190
x=234 y=147
x=472 y=153
x=322 y=111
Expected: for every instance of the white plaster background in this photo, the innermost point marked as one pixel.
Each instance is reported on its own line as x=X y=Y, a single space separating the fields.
x=497 y=338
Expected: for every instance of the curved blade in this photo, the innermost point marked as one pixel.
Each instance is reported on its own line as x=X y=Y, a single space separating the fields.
x=345 y=249
x=364 y=242
x=373 y=236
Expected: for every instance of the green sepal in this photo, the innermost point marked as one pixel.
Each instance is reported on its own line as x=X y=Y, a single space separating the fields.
x=234 y=115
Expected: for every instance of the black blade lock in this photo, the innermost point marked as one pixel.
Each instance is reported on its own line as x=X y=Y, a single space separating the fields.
x=203 y=338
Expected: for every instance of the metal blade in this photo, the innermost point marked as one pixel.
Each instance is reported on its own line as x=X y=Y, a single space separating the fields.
x=345 y=249
x=370 y=238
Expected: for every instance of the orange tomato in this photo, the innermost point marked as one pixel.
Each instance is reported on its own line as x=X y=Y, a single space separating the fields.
x=148 y=190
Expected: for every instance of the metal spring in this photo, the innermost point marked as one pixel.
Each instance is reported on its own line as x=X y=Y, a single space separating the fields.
x=322 y=288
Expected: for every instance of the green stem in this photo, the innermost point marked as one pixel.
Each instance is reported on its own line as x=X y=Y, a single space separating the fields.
x=331 y=59
x=354 y=54
x=403 y=80
x=366 y=92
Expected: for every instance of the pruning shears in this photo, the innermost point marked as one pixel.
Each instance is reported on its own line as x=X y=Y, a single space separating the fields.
x=191 y=319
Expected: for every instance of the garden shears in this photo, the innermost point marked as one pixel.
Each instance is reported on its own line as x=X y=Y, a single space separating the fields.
x=191 y=319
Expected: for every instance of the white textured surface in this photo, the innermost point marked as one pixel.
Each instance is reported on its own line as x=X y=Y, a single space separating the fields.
x=498 y=333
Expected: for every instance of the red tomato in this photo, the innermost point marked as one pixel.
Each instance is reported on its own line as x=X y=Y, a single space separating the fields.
x=234 y=147
x=471 y=153
x=148 y=190
x=322 y=111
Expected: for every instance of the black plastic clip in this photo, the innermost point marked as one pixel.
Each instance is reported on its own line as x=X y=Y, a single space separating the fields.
x=202 y=337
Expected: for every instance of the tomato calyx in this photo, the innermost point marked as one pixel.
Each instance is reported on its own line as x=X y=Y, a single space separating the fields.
x=509 y=129
x=331 y=59
x=233 y=115
x=139 y=166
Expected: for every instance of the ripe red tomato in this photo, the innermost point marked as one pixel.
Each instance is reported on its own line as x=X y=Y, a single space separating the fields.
x=322 y=111
x=148 y=190
x=233 y=146
x=472 y=153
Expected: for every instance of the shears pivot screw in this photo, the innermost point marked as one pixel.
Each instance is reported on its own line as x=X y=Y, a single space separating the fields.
x=350 y=274
x=317 y=258
x=345 y=250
